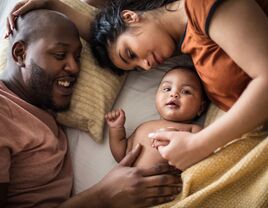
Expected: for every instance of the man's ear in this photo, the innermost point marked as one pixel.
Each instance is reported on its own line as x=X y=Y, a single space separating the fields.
x=129 y=16
x=19 y=53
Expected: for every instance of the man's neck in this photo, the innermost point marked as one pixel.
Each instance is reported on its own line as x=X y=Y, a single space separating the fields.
x=11 y=79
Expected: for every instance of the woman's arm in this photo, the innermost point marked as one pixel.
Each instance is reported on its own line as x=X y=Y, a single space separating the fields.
x=81 y=21
x=240 y=28
x=243 y=36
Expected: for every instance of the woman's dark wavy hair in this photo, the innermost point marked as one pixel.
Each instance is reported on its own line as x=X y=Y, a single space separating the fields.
x=108 y=25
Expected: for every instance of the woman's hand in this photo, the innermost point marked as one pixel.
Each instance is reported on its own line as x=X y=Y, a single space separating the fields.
x=182 y=149
x=21 y=8
x=127 y=186
x=82 y=21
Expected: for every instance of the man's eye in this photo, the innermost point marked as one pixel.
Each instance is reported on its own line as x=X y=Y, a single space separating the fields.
x=60 y=56
x=78 y=59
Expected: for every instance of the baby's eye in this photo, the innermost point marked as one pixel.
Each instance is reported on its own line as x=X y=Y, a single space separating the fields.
x=166 y=89
x=185 y=92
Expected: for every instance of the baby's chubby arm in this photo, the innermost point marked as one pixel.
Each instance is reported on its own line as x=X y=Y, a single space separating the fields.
x=117 y=134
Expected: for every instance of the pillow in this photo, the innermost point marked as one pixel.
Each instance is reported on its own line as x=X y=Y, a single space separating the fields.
x=95 y=91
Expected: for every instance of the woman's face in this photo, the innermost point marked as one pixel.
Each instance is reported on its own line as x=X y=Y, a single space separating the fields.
x=141 y=47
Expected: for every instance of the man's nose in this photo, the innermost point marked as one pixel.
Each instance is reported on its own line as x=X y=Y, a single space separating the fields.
x=72 y=65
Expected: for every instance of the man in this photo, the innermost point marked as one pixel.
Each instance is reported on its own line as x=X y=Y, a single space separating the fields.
x=35 y=168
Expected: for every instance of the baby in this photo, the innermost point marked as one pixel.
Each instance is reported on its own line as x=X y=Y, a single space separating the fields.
x=179 y=100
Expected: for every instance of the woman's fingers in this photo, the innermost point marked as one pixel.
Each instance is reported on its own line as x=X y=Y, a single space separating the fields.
x=8 y=29
x=22 y=7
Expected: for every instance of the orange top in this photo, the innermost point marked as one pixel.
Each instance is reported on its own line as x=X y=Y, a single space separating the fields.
x=33 y=155
x=223 y=80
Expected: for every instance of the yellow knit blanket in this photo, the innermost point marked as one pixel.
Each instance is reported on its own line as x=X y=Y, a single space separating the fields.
x=235 y=176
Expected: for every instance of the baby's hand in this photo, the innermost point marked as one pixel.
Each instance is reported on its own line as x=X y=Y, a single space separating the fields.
x=116 y=118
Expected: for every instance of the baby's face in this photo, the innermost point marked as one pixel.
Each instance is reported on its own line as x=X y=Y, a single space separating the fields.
x=179 y=96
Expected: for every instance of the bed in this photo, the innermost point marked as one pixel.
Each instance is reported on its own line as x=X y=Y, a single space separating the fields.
x=224 y=175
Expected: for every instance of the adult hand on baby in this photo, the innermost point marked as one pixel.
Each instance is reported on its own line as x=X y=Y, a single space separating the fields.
x=116 y=118
x=182 y=149
x=127 y=186
x=22 y=7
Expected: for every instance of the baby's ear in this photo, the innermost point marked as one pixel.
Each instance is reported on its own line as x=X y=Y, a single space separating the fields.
x=19 y=53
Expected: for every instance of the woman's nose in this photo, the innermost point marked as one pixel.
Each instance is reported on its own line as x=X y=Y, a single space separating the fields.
x=144 y=64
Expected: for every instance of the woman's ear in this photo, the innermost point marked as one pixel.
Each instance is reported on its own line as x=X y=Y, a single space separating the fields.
x=129 y=16
x=19 y=53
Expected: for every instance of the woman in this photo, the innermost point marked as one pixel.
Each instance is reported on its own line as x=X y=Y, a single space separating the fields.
x=227 y=41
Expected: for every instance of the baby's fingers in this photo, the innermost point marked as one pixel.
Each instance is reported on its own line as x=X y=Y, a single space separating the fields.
x=157 y=143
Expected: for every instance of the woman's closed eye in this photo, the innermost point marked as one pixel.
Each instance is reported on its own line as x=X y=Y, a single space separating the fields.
x=130 y=54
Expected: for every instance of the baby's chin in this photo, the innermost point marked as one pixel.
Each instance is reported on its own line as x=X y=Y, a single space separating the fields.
x=176 y=118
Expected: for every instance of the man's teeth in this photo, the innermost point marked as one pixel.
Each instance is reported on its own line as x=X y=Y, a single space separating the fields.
x=64 y=83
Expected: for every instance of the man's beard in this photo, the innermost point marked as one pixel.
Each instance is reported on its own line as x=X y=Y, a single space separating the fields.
x=41 y=86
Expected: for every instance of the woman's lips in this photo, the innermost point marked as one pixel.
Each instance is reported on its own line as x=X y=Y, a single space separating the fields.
x=158 y=59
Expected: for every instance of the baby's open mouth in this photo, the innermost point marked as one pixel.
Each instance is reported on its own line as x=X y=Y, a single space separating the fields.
x=173 y=103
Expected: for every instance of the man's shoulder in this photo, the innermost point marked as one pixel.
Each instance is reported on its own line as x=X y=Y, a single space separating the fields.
x=5 y=103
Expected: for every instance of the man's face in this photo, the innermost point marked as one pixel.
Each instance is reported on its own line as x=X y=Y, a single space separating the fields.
x=51 y=68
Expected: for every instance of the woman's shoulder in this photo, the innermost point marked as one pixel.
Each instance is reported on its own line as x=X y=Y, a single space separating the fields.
x=200 y=12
